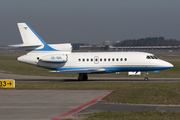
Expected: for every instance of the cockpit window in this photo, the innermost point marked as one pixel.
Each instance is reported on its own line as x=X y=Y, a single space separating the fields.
x=155 y=57
x=148 y=57
x=151 y=57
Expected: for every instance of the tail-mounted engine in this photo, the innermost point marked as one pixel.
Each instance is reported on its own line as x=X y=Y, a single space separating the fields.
x=57 y=58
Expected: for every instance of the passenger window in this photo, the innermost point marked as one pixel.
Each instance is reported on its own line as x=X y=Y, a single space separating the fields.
x=125 y=59
x=113 y=59
x=104 y=59
x=117 y=59
x=100 y=59
x=83 y=60
x=121 y=59
x=96 y=59
x=109 y=59
x=79 y=60
x=91 y=59
x=87 y=59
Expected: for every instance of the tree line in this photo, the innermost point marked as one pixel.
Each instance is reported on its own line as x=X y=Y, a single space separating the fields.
x=150 y=41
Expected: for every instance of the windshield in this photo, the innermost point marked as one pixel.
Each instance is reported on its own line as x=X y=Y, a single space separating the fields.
x=151 y=57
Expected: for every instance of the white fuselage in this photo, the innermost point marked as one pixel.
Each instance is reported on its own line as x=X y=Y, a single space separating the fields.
x=110 y=61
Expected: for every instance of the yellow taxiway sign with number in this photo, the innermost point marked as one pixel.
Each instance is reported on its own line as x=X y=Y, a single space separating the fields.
x=6 y=83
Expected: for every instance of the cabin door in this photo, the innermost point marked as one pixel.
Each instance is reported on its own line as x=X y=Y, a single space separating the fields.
x=96 y=59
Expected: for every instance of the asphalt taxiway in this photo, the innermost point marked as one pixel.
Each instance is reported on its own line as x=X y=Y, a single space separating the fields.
x=27 y=78
x=45 y=104
x=56 y=104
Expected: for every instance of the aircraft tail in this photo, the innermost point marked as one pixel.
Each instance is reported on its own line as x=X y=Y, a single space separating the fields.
x=31 y=39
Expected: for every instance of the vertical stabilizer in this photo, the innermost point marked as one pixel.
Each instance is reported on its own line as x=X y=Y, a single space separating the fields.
x=28 y=35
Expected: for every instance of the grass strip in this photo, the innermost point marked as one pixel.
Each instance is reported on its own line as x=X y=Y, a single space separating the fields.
x=146 y=115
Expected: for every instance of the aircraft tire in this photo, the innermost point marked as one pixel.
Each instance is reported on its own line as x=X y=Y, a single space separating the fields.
x=83 y=77
x=146 y=79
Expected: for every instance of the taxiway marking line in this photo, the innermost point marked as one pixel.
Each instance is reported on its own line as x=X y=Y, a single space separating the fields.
x=81 y=107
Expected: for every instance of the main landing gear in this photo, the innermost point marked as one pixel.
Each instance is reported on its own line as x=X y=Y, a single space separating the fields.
x=82 y=76
x=146 y=78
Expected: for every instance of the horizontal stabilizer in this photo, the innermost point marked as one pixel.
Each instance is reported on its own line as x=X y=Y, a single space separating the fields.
x=94 y=70
x=24 y=45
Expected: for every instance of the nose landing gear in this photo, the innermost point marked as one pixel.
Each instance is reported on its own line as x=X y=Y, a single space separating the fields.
x=146 y=78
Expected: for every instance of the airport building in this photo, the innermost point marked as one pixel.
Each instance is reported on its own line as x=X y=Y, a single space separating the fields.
x=130 y=48
x=145 y=48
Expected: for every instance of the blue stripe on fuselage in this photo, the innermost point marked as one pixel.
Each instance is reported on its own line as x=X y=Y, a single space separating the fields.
x=113 y=69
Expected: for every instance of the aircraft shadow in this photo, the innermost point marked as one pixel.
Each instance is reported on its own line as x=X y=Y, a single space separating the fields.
x=100 y=80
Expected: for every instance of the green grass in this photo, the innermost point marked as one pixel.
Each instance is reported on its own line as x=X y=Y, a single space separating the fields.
x=147 y=115
x=146 y=93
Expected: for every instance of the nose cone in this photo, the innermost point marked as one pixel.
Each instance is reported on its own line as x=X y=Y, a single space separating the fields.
x=166 y=64
x=169 y=65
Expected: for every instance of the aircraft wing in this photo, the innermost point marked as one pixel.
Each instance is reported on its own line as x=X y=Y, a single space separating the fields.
x=94 y=70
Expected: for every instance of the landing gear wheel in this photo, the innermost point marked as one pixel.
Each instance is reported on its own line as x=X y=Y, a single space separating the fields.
x=146 y=79
x=82 y=76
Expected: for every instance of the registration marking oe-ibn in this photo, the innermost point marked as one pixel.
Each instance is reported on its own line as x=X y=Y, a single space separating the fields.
x=7 y=83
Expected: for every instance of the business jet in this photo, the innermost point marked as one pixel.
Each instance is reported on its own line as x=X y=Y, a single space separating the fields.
x=59 y=57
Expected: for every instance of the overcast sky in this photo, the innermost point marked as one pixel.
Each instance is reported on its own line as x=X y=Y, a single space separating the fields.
x=90 y=21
